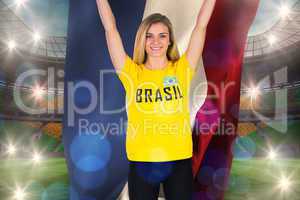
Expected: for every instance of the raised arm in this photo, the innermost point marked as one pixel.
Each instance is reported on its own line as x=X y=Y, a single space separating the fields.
x=113 y=38
x=196 y=44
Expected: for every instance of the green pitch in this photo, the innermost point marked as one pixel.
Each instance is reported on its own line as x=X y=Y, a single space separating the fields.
x=250 y=179
x=45 y=181
x=261 y=179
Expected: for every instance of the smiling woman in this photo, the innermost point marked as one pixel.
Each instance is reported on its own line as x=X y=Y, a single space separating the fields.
x=155 y=59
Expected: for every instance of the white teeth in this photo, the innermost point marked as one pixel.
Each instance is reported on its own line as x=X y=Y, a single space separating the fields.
x=155 y=48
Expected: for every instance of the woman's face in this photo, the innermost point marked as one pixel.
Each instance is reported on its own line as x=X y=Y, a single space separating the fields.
x=157 y=40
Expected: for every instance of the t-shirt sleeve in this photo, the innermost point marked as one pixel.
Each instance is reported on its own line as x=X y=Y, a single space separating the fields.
x=184 y=70
x=128 y=73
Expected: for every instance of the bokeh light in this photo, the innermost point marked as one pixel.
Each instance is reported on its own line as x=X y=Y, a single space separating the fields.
x=36 y=158
x=20 y=2
x=90 y=180
x=90 y=152
x=272 y=155
x=154 y=172
x=253 y=92
x=19 y=194
x=11 y=149
x=244 y=148
x=57 y=191
x=205 y=175
x=220 y=177
x=37 y=37
x=11 y=45
x=38 y=92
x=284 y=11
x=272 y=39
x=284 y=183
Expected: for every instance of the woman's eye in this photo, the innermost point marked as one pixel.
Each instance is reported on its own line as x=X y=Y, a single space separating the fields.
x=164 y=35
x=148 y=36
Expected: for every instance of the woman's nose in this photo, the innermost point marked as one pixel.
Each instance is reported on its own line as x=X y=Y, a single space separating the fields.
x=156 y=40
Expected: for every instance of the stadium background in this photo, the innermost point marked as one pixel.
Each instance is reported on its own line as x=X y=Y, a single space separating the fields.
x=266 y=153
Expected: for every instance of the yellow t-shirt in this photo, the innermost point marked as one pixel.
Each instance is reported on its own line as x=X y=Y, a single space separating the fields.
x=157 y=103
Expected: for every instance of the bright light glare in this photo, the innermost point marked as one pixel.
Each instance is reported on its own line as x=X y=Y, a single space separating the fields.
x=284 y=11
x=19 y=194
x=284 y=184
x=11 y=149
x=38 y=92
x=36 y=158
x=11 y=45
x=272 y=39
x=272 y=155
x=253 y=92
x=20 y=2
x=37 y=37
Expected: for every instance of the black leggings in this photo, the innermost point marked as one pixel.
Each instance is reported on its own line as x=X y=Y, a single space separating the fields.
x=145 y=177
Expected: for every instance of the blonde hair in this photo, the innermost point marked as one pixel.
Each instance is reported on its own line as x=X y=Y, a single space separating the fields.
x=139 y=54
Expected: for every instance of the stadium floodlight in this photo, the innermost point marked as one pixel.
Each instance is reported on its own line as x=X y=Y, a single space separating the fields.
x=11 y=45
x=253 y=92
x=37 y=37
x=20 y=2
x=19 y=194
x=284 y=11
x=272 y=155
x=284 y=184
x=11 y=149
x=36 y=158
x=272 y=39
x=38 y=92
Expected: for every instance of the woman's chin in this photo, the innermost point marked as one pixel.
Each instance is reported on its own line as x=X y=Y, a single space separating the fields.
x=157 y=54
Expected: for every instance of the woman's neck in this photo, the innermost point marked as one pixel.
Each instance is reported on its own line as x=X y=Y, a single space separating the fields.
x=154 y=63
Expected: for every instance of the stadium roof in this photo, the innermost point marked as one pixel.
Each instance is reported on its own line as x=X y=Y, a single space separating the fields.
x=283 y=34
x=12 y=27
